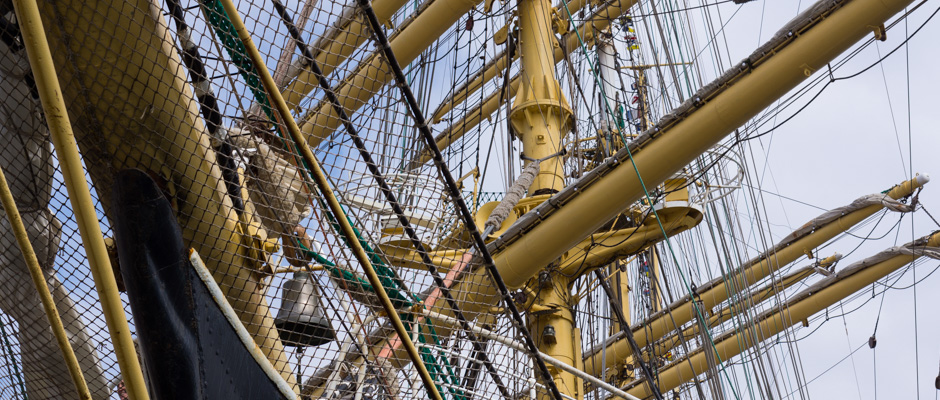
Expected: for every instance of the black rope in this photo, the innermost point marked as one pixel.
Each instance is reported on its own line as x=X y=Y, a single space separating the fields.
x=208 y=105
x=625 y=327
x=390 y=197
x=422 y=126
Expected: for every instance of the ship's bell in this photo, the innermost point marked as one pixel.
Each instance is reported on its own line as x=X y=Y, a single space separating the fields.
x=300 y=321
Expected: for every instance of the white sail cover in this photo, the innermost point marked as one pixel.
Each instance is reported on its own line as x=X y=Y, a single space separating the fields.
x=26 y=159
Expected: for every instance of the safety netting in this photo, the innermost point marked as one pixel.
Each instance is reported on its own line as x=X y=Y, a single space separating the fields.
x=168 y=88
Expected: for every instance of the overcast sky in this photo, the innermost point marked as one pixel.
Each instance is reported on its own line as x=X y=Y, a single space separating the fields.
x=861 y=137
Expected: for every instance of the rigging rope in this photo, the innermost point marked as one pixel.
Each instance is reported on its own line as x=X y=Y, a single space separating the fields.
x=649 y=200
x=224 y=28
x=454 y=191
x=393 y=202
x=8 y=355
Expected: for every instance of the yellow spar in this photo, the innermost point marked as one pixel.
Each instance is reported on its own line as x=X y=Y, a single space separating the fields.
x=336 y=45
x=719 y=290
x=559 y=224
x=132 y=107
x=803 y=305
x=723 y=106
x=372 y=74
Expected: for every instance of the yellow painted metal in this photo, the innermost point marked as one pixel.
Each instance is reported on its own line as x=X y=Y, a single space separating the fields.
x=602 y=248
x=540 y=115
x=60 y=128
x=474 y=116
x=258 y=245
x=676 y=189
x=677 y=145
x=683 y=311
x=39 y=280
x=372 y=74
x=614 y=244
x=793 y=312
x=589 y=30
x=555 y=313
x=672 y=149
x=470 y=120
x=133 y=108
x=444 y=260
x=336 y=45
x=323 y=185
x=727 y=312
x=491 y=70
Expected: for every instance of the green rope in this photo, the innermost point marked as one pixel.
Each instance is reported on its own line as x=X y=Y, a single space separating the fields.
x=219 y=19
x=361 y=284
x=649 y=199
x=227 y=34
x=393 y=286
x=8 y=354
x=399 y=301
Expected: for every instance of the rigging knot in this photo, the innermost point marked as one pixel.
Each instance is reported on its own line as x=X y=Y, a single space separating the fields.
x=897 y=205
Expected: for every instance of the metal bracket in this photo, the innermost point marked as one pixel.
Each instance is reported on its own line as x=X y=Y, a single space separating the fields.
x=880 y=32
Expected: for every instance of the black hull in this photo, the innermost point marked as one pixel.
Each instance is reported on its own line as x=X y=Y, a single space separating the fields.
x=188 y=348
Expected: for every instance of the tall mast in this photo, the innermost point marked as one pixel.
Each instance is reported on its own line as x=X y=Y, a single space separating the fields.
x=541 y=117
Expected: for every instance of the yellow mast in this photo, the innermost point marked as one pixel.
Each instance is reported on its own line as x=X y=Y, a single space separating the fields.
x=541 y=118
x=540 y=114
x=489 y=71
x=571 y=41
x=578 y=211
x=740 y=94
x=336 y=45
x=587 y=205
x=371 y=74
